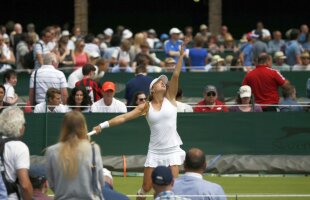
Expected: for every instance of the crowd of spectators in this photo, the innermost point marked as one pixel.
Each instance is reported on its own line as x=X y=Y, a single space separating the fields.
x=88 y=58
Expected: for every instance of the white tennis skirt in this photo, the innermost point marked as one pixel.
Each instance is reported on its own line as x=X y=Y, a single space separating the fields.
x=166 y=157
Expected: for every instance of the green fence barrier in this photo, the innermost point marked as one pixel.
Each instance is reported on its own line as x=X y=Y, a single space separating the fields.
x=215 y=133
x=192 y=84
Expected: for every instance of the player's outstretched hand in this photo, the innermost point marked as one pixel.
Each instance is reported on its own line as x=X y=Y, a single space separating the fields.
x=97 y=129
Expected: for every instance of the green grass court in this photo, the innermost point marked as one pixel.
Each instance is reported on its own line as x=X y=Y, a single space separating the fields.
x=238 y=185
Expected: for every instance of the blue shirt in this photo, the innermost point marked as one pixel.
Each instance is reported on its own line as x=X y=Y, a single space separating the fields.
x=194 y=184
x=293 y=49
x=198 y=58
x=174 y=46
x=169 y=195
x=109 y=194
x=247 y=54
x=139 y=83
x=290 y=105
x=3 y=192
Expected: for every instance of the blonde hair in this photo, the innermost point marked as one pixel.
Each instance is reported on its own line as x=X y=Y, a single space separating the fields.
x=73 y=133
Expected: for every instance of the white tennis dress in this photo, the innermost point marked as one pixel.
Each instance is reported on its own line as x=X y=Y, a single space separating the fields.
x=164 y=146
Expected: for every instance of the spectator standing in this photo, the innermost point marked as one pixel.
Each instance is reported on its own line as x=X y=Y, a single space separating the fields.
x=41 y=48
x=10 y=81
x=81 y=57
x=140 y=82
x=91 y=86
x=172 y=46
x=305 y=63
x=45 y=77
x=108 y=103
x=121 y=53
x=304 y=31
x=259 y=46
x=276 y=44
x=74 y=165
x=244 y=101
x=293 y=49
x=246 y=55
x=66 y=55
x=192 y=183
x=7 y=57
x=16 y=153
x=266 y=36
x=25 y=46
x=198 y=55
x=210 y=103
x=289 y=102
x=279 y=64
x=264 y=82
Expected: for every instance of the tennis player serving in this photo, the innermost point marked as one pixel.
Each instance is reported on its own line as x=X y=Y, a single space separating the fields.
x=161 y=114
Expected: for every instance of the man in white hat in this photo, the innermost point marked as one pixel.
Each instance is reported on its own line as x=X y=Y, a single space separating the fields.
x=172 y=46
x=279 y=64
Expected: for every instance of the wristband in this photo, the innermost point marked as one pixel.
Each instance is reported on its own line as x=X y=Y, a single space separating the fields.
x=104 y=125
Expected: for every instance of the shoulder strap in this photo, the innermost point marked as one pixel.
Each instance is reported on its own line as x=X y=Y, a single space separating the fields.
x=34 y=86
x=96 y=191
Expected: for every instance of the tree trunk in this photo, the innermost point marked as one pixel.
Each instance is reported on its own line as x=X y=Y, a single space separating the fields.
x=81 y=15
x=215 y=16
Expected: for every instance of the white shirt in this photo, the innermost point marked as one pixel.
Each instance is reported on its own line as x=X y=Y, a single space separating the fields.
x=116 y=106
x=119 y=54
x=299 y=67
x=77 y=75
x=163 y=125
x=16 y=156
x=183 y=107
x=47 y=76
x=41 y=107
x=9 y=92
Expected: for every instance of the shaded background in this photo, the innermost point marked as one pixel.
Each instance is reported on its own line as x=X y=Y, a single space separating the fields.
x=240 y=15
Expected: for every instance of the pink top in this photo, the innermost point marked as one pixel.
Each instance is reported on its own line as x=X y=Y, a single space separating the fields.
x=80 y=60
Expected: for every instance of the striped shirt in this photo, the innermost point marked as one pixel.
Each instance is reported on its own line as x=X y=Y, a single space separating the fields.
x=47 y=77
x=39 y=48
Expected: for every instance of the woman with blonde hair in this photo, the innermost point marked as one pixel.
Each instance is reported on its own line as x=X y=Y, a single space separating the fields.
x=161 y=114
x=74 y=165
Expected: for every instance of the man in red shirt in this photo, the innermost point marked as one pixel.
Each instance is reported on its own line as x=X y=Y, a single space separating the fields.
x=210 y=102
x=264 y=82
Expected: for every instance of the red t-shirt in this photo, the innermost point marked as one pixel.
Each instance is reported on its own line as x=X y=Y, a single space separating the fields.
x=264 y=83
x=218 y=107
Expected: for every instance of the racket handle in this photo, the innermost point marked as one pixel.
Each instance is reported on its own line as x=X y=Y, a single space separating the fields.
x=91 y=133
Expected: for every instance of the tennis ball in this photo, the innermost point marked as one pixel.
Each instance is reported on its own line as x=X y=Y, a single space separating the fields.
x=196 y=1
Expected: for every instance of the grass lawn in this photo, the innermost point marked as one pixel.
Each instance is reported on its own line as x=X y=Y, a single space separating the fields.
x=238 y=185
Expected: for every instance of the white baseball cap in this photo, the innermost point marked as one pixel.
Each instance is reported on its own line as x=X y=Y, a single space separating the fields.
x=108 y=32
x=161 y=77
x=126 y=34
x=174 y=31
x=245 y=91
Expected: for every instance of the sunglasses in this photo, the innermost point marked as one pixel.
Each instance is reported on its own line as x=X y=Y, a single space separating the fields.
x=211 y=94
x=142 y=99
